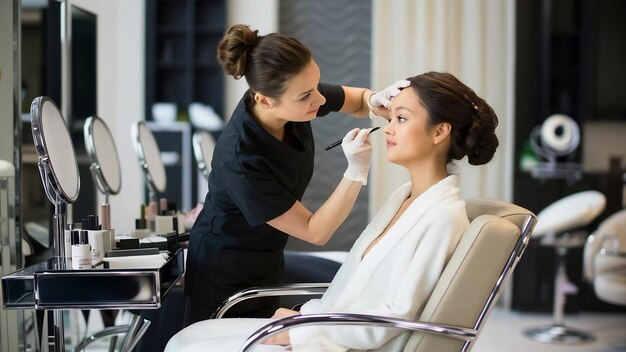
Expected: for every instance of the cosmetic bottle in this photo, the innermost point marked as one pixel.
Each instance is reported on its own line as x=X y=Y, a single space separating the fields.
x=164 y=224
x=141 y=229
x=151 y=213
x=95 y=238
x=141 y=225
x=109 y=233
x=67 y=239
x=81 y=251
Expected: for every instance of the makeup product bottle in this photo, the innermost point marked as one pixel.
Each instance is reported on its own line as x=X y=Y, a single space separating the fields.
x=162 y=205
x=95 y=238
x=151 y=213
x=164 y=224
x=109 y=232
x=81 y=251
x=67 y=239
x=141 y=226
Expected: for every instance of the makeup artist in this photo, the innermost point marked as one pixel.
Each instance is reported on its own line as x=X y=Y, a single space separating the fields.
x=262 y=164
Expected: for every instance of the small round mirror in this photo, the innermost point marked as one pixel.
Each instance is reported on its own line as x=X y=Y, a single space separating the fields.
x=56 y=157
x=105 y=163
x=203 y=145
x=149 y=157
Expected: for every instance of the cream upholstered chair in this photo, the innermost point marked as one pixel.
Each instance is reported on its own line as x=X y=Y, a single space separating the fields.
x=461 y=301
x=605 y=259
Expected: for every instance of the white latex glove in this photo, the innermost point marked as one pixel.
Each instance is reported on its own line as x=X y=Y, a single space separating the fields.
x=358 y=151
x=383 y=97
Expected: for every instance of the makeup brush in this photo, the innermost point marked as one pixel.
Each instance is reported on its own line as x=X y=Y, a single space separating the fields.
x=336 y=143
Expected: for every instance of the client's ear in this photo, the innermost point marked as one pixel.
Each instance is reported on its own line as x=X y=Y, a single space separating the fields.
x=442 y=131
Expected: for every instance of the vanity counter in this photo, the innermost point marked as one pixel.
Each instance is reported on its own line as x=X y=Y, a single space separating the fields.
x=52 y=284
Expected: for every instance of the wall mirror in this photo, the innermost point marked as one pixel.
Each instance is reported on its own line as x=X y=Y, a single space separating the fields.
x=203 y=145
x=105 y=163
x=149 y=157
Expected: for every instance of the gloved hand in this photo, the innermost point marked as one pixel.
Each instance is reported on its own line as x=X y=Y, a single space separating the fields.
x=383 y=98
x=358 y=151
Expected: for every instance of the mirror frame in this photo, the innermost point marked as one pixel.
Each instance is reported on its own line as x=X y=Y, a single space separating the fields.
x=46 y=169
x=141 y=157
x=199 y=152
x=96 y=168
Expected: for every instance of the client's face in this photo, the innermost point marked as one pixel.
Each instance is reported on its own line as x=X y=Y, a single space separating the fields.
x=409 y=139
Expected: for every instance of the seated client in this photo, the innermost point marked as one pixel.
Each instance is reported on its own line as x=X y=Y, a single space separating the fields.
x=396 y=262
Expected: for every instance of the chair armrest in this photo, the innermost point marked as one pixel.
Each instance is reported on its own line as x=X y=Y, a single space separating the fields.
x=271 y=291
x=273 y=328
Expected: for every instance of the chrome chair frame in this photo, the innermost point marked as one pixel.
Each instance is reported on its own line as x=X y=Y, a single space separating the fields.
x=306 y=289
x=457 y=332
x=133 y=332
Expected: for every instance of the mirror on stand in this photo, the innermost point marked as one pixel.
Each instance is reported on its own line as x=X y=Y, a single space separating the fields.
x=105 y=166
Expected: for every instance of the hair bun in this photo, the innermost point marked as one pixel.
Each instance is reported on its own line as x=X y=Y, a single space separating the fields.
x=233 y=50
x=481 y=140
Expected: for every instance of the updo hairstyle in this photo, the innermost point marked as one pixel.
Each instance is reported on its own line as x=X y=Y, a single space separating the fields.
x=473 y=121
x=267 y=62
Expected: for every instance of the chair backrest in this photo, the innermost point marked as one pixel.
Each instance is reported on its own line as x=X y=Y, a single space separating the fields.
x=474 y=277
x=612 y=229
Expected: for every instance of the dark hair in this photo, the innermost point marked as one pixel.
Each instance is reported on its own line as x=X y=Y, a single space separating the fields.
x=267 y=61
x=473 y=121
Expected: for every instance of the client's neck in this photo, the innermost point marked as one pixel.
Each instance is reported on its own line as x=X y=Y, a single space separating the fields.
x=425 y=176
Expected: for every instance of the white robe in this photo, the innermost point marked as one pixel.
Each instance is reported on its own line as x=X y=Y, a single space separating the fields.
x=395 y=279
x=397 y=275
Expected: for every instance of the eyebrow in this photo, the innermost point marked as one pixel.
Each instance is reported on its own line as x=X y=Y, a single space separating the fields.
x=404 y=108
x=305 y=93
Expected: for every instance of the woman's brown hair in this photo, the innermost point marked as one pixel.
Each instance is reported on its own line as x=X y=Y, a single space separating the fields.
x=267 y=62
x=473 y=121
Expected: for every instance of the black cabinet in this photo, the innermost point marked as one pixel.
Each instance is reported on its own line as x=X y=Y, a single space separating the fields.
x=181 y=68
x=181 y=44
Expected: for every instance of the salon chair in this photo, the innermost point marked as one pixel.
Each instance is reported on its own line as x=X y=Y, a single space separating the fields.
x=560 y=225
x=605 y=259
x=454 y=314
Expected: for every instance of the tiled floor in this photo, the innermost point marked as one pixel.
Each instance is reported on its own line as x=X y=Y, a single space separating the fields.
x=503 y=332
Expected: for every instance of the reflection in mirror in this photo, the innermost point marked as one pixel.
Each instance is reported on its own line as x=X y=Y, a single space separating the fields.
x=149 y=157
x=203 y=144
x=56 y=162
x=105 y=163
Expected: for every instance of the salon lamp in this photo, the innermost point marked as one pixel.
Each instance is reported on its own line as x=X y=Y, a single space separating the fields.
x=558 y=137
x=59 y=174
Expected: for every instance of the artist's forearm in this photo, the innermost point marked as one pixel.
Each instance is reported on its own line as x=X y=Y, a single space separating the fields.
x=356 y=101
x=327 y=219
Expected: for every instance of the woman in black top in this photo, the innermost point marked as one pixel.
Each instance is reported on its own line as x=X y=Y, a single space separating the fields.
x=262 y=164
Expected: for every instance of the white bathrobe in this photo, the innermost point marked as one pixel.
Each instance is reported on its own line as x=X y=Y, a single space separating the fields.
x=397 y=275
x=395 y=279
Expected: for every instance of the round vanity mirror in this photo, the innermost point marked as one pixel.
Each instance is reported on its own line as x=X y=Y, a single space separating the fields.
x=105 y=163
x=203 y=144
x=149 y=157
x=56 y=157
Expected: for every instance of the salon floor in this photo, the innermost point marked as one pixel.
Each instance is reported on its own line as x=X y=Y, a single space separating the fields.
x=504 y=332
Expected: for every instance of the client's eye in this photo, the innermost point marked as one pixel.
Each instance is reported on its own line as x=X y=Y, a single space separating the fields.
x=401 y=118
